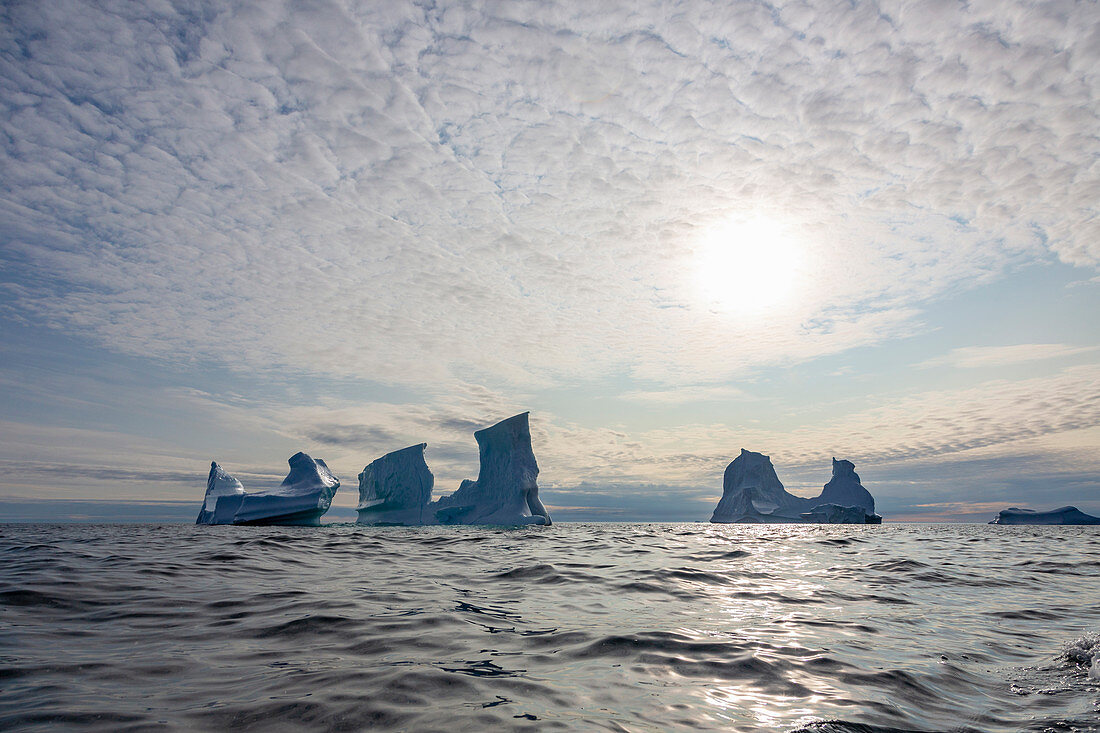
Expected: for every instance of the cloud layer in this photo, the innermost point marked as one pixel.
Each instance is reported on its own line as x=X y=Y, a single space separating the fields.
x=348 y=227
x=514 y=193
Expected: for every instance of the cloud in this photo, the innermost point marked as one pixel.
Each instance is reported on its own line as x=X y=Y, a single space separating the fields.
x=685 y=395
x=438 y=195
x=984 y=357
x=932 y=428
x=475 y=207
x=345 y=435
x=1027 y=441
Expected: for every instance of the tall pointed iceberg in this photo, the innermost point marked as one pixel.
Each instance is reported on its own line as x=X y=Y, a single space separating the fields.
x=218 y=484
x=303 y=496
x=506 y=490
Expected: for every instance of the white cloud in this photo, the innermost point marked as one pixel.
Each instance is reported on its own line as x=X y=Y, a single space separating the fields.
x=915 y=446
x=683 y=395
x=935 y=427
x=408 y=195
x=983 y=357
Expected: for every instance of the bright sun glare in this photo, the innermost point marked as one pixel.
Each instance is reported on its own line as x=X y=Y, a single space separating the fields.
x=748 y=265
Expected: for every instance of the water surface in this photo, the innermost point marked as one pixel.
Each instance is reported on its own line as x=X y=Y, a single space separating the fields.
x=624 y=627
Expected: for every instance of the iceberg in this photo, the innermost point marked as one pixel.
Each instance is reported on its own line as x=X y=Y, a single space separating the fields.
x=844 y=488
x=753 y=493
x=218 y=484
x=396 y=488
x=303 y=496
x=836 y=514
x=506 y=491
x=1062 y=515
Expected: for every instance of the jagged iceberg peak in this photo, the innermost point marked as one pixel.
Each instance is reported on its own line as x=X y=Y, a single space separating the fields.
x=218 y=483
x=752 y=492
x=396 y=488
x=303 y=496
x=506 y=491
x=751 y=489
x=844 y=488
x=1061 y=515
x=308 y=475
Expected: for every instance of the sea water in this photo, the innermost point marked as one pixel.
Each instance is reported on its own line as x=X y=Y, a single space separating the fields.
x=623 y=627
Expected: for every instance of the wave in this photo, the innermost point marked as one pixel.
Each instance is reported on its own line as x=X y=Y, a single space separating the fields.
x=581 y=627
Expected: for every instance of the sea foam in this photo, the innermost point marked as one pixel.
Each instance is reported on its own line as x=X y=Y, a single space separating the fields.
x=1084 y=651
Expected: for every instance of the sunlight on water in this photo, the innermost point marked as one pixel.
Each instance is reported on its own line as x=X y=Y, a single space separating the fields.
x=572 y=627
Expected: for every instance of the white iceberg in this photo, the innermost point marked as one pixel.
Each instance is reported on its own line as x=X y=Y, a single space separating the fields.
x=303 y=496
x=218 y=484
x=396 y=488
x=753 y=493
x=506 y=491
x=1062 y=515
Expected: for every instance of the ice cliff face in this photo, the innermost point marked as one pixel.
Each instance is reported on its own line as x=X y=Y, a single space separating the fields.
x=506 y=491
x=1062 y=515
x=753 y=493
x=396 y=488
x=303 y=496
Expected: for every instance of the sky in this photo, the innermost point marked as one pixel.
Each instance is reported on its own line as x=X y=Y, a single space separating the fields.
x=233 y=231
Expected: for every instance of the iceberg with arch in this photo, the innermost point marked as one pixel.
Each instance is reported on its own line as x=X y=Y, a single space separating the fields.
x=303 y=496
x=753 y=493
x=396 y=488
x=1062 y=515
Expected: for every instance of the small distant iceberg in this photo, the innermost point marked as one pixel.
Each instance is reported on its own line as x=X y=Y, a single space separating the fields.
x=753 y=493
x=1062 y=515
x=303 y=496
x=396 y=488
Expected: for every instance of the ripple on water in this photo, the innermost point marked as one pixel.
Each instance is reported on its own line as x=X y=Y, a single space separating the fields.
x=573 y=627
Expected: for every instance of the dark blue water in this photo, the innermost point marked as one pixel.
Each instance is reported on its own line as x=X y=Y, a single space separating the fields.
x=624 y=627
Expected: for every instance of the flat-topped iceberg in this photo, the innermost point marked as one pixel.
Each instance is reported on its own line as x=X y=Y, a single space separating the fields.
x=753 y=493
x=396 y=488
x=1062 y=515
x=303 y=496
x=836 y=514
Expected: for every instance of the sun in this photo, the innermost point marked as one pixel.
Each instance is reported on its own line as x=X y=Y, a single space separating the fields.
x=748 y=265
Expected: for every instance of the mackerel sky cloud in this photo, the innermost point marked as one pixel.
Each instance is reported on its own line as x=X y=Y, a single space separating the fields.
x=238 y=230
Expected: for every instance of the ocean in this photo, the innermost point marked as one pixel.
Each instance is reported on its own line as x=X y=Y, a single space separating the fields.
x=576 y=627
